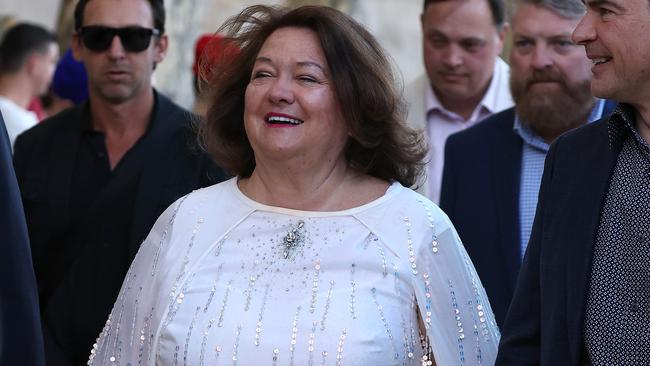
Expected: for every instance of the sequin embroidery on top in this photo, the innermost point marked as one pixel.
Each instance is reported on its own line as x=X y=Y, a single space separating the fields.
x=258 y=328
x=311 y=342
x=279 y=287
x=434 y=237
x=161 y=244
x=204 y=341
x=353 y=287
x=314 y=289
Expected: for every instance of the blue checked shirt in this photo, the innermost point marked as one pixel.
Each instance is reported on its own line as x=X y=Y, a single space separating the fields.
x=533 y=153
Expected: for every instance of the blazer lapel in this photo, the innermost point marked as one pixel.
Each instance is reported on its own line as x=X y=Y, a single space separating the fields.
x=506 y=158
x=588 y=191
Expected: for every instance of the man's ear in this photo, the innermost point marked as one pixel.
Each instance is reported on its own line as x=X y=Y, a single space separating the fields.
x=501 y=34
x=31 y=64
x=160 y=48
x=77 y=47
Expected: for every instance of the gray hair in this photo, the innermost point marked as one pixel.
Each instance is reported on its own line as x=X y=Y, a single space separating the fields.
x=569 y=9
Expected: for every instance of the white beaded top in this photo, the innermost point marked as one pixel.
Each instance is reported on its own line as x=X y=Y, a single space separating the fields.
x=224 y=280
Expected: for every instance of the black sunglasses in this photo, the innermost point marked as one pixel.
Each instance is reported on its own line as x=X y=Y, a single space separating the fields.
x=99 y=38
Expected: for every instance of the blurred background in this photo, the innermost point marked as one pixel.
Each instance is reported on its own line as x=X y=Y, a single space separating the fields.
x=395 y=23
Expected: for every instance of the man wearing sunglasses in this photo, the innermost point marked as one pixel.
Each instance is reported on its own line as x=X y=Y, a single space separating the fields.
x=95 y=178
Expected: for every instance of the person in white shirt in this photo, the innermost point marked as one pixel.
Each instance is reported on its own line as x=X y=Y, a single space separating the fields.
x=28 y=56
x=465 y=79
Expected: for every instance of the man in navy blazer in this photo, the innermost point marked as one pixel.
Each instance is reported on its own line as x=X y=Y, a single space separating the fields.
x=583 y=295
x=493 y=170
x=21 y=342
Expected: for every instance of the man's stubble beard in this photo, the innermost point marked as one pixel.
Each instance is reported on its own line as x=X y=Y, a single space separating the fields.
x=118 y=97
x=550 y=114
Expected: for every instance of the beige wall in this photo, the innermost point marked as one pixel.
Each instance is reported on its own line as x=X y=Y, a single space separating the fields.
x=394 y=22
x=44 y=12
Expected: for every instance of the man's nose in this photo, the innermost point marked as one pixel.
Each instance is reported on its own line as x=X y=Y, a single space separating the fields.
x=585 y=31
x=453 y=56
x=116 y=49
x=542 y=57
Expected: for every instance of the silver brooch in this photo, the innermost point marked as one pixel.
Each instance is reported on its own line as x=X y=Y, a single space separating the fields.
x=295 y=238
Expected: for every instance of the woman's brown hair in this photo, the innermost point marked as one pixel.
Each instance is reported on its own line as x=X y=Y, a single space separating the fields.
x=380 y=144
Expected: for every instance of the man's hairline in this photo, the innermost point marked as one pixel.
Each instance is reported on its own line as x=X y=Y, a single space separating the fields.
x=499 y=27
x=152 y=26
x=517 y=3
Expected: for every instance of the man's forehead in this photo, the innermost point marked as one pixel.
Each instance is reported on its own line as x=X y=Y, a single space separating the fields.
x=460 y=19
x=616 y=3
x=118 y=13
x=456 y=34
x=544 y=21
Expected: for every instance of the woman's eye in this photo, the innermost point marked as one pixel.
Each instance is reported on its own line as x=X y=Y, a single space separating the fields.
x=308 y=79
x=260 y=74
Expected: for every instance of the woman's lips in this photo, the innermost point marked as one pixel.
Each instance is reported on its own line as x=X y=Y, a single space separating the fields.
x=282 y=120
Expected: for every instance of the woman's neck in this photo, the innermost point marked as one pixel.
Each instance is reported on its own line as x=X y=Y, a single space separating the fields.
x=332 y=189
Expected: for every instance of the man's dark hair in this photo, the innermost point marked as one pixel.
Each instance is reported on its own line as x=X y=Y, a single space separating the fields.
x=157 y=9
x=20 y=42
x=497 y=8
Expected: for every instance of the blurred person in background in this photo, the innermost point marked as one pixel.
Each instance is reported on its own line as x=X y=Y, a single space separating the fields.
x=208 y=53
x=95 y=177
x=465 y=79
x=28 y=56
x=69 y=85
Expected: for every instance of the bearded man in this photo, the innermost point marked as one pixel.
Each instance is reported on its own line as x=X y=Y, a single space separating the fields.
x=493 y=170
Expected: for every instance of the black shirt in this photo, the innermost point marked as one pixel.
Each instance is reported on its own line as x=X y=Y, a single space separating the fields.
x=97 y=255
x=86 y=221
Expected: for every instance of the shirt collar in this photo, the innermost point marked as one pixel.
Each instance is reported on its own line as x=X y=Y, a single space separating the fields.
x=533 y=139
x=88 y=126
x=494 y=99
x=621 y=124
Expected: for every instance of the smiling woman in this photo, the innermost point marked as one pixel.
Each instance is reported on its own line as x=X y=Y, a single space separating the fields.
x=316 y=252
x=354 y=68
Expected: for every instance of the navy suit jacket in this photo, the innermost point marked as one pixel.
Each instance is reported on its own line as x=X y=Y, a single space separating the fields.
x=544 y=325
x=21 y=342
x=480 y=194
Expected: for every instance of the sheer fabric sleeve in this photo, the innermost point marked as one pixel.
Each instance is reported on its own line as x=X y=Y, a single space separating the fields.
x=459 y=323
